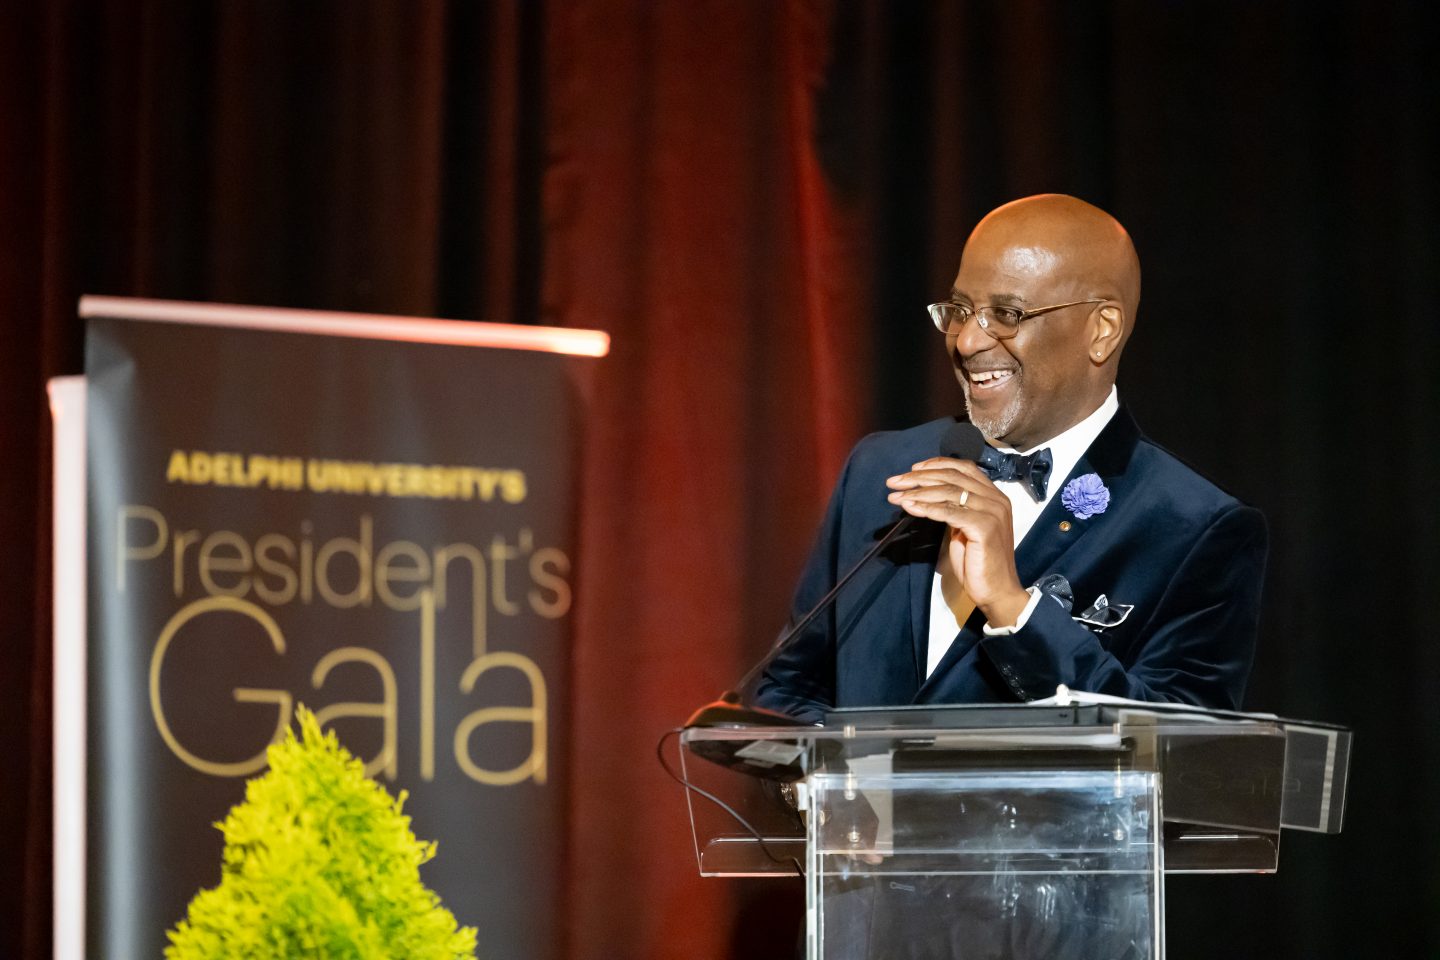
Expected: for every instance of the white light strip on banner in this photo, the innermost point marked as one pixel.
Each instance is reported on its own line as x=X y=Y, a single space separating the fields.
x=67 y=411
x=374 y=326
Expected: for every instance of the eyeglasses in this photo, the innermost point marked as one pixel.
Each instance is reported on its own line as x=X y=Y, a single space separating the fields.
x=1000 y=322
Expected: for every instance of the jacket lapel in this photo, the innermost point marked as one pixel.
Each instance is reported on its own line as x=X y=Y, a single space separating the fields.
x=1109 y=457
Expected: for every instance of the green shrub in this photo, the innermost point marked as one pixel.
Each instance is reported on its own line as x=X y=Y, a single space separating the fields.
x=319 y=863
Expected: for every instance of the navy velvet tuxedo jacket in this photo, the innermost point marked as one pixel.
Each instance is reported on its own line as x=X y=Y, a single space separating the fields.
x=1187 y=557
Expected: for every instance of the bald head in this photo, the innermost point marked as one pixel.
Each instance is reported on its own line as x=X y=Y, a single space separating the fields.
x=1077 y=241
x=1069 y=270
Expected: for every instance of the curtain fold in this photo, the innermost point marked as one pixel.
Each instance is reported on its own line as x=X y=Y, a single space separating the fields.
x=695 y=226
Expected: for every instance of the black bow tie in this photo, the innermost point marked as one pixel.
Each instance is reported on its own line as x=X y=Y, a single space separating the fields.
x=1033 y=470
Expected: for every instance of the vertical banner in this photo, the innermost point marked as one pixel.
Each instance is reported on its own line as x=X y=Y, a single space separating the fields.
x=289 y=507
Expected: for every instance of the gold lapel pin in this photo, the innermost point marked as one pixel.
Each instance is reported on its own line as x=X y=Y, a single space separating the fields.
x=1064 y=526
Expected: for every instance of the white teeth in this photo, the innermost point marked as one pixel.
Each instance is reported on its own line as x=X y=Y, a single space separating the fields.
x=984 y=376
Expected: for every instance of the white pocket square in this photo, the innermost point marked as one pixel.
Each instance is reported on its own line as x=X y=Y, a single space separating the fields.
x=1102 y=614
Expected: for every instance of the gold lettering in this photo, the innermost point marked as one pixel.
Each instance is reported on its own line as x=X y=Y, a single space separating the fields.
x=362 y=550
x=540 y=563
x=427 y=685
x=221 y=468
x=263 y=548
x=512 y=488
x=182 y=539
x=443 y=556
x=417 y=570
x=125 y=552
x=307 y=564
x=487 y=481
x=210 y=563
x=535 y=764
x=178 y=470
x=280 y=698
x=499 y=553
x=386 y=710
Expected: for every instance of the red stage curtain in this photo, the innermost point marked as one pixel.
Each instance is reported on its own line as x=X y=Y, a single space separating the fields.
x=686 y=214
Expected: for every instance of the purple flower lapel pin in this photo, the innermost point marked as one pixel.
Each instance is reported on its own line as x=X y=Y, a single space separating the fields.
x=1085 y=496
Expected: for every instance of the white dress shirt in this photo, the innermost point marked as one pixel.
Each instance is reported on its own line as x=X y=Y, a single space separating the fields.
x=1065 y=451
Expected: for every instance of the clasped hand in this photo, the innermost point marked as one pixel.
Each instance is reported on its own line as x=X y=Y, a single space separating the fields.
x=982 y=540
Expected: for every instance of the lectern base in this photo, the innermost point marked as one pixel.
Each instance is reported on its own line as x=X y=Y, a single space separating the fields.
x=1058 y=865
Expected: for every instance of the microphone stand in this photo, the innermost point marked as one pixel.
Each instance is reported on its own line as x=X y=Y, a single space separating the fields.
x=729 y=710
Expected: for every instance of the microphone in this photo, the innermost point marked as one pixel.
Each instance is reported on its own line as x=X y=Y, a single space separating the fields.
x=962 y=441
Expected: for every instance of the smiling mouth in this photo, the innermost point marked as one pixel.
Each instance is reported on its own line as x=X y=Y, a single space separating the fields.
x=984 y=381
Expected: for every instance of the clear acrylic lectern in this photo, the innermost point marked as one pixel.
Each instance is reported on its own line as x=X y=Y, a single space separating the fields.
x=1005 y=832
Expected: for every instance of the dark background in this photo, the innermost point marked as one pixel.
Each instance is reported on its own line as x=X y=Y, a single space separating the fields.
x=756 y=198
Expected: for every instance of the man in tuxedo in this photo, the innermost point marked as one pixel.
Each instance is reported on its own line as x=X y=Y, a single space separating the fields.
x=1075 y=552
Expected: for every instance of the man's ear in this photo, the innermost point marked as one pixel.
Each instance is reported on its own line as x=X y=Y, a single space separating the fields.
x=1108 y=326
